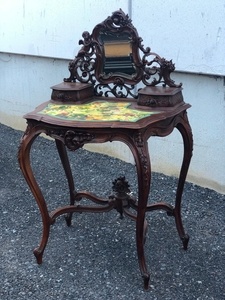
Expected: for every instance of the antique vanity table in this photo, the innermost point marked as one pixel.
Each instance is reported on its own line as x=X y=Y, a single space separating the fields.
x=117 y=91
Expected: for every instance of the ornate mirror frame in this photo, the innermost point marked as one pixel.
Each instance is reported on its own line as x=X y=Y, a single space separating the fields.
x=91 y=65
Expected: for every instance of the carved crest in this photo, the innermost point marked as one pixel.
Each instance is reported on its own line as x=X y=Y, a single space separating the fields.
x=114 y=60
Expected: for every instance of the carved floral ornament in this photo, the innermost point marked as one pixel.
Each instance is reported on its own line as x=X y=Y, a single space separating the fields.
x=114 y=60
x=75 y=140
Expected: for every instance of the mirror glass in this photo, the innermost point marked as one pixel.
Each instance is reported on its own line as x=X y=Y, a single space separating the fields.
x=118 y=56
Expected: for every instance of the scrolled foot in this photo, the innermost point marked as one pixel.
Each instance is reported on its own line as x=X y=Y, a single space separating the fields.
x=38 y=254
x=146 y=278
x=185 y=240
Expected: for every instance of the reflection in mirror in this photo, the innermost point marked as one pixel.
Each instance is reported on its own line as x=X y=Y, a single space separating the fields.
x=118 y=56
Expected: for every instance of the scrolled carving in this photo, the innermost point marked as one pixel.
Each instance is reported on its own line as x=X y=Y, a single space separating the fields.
x=75 y=140
x=157 y=71
x=82 y=68
x=116 y=90
x=118 y=20
x=89 y=66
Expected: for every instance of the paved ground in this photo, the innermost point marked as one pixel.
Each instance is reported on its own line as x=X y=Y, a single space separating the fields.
x=96 y=257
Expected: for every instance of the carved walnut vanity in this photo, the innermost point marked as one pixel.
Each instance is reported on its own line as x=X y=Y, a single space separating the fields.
x=117 y=91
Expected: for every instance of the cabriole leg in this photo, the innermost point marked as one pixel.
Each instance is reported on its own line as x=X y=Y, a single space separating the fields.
x=141 y=156
x=184 y=127
x=24 y=161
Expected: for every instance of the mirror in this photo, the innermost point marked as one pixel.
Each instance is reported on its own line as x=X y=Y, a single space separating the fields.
x=118 y=57
x=117 y=50
x=114 y=60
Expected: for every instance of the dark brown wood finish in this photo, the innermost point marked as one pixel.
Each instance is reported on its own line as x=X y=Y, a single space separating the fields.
x=89 y=81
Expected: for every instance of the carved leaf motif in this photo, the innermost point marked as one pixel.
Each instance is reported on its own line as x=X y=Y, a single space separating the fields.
x=138 y=139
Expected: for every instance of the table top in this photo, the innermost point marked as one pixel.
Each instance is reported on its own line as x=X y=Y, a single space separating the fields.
x=101 y=113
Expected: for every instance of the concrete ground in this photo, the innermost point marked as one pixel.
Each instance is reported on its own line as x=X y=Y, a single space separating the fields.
x=96 y=257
